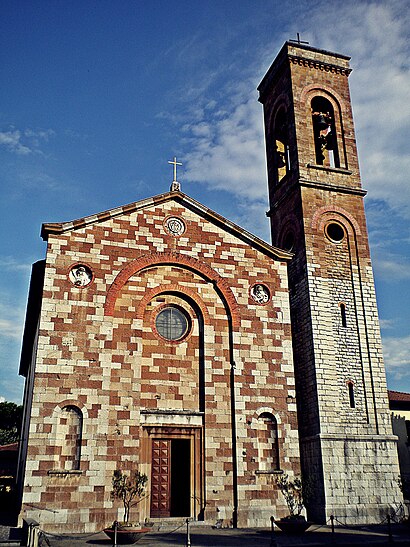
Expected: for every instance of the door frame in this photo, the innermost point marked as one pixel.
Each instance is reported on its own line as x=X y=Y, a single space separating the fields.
x=195 y=435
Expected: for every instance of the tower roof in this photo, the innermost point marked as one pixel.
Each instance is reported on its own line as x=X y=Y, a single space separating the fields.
x=306 y=54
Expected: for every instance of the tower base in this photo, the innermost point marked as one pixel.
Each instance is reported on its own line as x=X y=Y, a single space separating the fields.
x=355 y=478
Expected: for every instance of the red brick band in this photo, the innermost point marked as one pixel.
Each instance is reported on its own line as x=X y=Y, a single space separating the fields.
x=171 y=258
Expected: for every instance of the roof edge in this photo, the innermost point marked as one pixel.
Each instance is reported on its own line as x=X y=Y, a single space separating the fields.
x=56 y=228
x=305 y=53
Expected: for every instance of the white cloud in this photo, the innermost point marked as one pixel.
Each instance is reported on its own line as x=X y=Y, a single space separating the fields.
x=11 y=318
x=11 y=321
x=41 y=134
x=252 y=215
x=225 y=142
x=376 y=36
x=390 y=266
x=24 y=142
x=11 y=328
x=12 y=141
x=397 y=356
x=228 y=154
x=32 y=179
x=11 y=264
x=387 y=324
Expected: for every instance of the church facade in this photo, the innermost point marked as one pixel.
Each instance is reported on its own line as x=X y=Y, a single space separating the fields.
x=163 y=337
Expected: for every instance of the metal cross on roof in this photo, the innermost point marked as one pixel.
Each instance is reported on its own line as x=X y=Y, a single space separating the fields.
x=175 y=163
x=175 y=186
x=298 y=40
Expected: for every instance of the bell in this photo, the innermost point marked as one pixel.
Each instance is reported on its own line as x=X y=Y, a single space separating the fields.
x=321 y=122
x=281 y=160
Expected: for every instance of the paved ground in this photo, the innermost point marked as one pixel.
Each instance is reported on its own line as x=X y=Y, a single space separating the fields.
x=203 y=536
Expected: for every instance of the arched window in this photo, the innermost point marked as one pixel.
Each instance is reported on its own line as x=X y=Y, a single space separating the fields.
x=281 y=152
x=268 y=447
x=324 y=132
x=69 y=435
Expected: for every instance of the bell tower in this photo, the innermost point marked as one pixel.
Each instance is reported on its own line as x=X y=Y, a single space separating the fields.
x=349 y=455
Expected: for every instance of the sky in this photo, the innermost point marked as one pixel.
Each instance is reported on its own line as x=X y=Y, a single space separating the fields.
x=97 y=96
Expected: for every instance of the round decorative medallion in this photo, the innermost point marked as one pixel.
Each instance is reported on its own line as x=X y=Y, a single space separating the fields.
x=174 y=226
x=260 y=293
x=80 y=275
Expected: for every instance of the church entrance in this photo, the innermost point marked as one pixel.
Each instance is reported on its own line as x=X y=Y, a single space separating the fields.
x=171 y=478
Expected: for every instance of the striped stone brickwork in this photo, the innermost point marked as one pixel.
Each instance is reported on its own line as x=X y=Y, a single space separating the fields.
x=99 y=353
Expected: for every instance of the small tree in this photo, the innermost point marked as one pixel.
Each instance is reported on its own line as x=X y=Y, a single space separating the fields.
x=292 y=492
x=127 y=488
x=10 y=422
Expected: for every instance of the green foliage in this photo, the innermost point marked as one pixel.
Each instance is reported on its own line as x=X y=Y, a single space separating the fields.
x=127 y=488
x=8 y=436
x=10 y=422
x=292 y=492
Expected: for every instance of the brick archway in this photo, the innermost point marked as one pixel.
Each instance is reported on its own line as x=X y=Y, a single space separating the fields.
x=171 y=288
x=154 y=259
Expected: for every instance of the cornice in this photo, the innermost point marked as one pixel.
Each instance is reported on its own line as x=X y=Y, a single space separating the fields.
x=319 y=65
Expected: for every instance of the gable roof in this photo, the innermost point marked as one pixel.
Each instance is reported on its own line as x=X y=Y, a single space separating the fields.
x=179 y=197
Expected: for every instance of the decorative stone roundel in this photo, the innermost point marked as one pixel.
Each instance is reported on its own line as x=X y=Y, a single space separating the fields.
x=80 y=275
x=174 y=226
x=260 y=293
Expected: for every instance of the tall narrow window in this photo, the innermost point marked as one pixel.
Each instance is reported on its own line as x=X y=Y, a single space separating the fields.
x=350 y=387
x=324 y=131
x=70 y=435
x=343 y=314
x=268 y=446
x=281 y=152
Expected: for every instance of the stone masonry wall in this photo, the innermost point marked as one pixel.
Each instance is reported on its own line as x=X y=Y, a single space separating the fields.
x=98 y=352
x=340 y=377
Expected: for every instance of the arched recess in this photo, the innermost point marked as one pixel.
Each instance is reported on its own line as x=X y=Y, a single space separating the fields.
x=189 y=363
x=228 y=305
x=280 y=144
x=289 y=234
x=324 y=114
x=69 y=433
x=324 y=132
x=172 y=288
x=326 y=213
x=344 y=273
x=267 y=441
x=191 y=263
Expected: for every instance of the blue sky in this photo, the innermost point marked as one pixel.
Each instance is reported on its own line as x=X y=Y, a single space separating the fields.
x=97 y=96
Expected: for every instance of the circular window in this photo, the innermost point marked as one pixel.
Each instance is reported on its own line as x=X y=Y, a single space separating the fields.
x=335 y=232
x=172 y=323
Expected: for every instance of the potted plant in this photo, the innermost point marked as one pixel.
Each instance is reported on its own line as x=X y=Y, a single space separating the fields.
x=292 y=490
x=129 y=489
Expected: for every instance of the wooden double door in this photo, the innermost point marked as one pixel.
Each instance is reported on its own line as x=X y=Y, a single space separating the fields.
x=171 y=478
